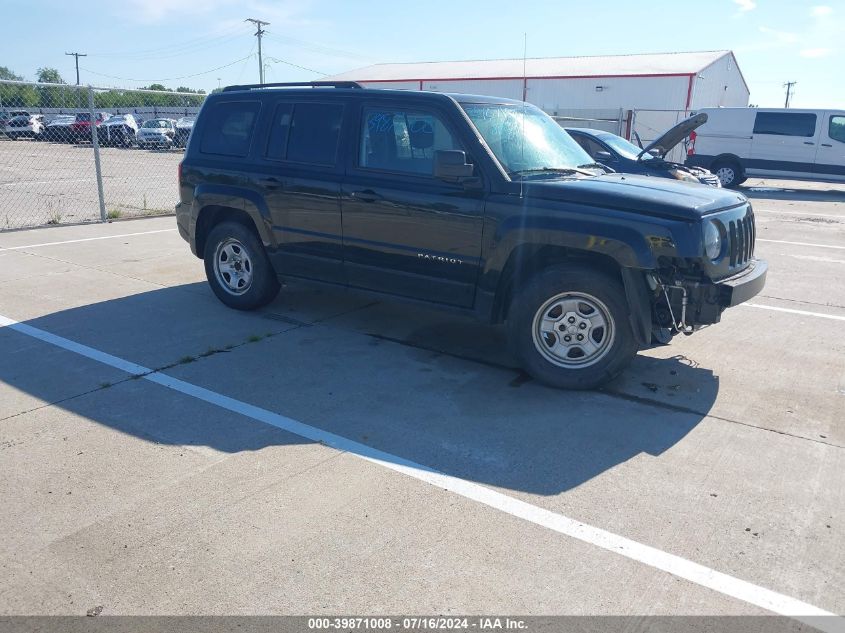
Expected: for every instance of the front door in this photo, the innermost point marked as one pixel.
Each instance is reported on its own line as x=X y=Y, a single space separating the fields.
x=784 y=144
x=404 y=231
x=830 y=159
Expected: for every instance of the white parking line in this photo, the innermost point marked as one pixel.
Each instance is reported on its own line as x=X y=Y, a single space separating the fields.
x=791 y=311
x=760 y=239
x=85 y=239
x=653 y=557
x=799 y=213
x=23 y=183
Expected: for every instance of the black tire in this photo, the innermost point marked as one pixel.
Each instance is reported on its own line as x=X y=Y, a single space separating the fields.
x=263 y=285
x=729 y=173
x=587 y=287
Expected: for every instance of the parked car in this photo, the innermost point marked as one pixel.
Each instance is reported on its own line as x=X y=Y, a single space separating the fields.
x=623 y=156
x=58 y=130
x=7 y=115
x=80 y=129
x=119 y=129
x=31 y=126
x=479 y=205
x=157 y=133
x=736 y=143
x=183 y=131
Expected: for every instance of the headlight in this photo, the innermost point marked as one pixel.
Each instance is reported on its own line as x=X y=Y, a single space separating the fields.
x=713 y=232
x=680 y=174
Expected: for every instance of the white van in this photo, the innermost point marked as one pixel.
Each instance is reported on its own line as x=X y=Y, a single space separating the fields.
x=736 y=143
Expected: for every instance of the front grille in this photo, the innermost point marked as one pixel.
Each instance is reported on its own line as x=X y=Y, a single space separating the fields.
x=741 y=233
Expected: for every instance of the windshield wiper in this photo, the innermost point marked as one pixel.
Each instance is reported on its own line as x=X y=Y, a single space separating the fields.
x=551 y=170
x=605 y=168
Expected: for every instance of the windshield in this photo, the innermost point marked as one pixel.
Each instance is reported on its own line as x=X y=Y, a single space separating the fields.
x=525 y=139
x=116 y=117
x=624 y=148
x=157 y=123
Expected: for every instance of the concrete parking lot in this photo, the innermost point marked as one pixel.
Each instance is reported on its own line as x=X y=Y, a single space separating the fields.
x=56 y=183
x=162 y=454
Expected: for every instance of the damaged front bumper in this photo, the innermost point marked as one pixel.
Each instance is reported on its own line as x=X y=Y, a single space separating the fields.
x=685 y=306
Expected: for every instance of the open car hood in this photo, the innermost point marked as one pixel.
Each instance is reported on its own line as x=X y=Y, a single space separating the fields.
x=674 y=135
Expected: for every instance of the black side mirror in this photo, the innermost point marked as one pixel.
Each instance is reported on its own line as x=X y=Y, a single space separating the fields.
x=451 y=164
x=603 y=157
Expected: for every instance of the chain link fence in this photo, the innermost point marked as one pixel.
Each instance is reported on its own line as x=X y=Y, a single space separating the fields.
x=71 y=154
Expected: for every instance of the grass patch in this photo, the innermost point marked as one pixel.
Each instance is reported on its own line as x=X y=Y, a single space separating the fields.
x=186 y=359
x=114 y=214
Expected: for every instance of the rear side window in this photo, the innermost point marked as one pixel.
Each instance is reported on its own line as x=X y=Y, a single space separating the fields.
x=228 y=128
x=305 y=133
x=785 y=124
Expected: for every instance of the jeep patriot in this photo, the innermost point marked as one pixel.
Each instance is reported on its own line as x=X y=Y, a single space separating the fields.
x=475 y=204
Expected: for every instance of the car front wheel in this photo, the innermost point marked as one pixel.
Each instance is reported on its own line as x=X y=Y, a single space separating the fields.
x=569 y=327
x=237 y=267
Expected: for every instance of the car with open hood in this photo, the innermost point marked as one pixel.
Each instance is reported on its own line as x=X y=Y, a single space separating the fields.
x=118 y=129
x=477 y=205
x=623 y=156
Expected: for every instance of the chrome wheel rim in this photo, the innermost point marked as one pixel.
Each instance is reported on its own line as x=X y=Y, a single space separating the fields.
x=233 y=266
x=726 y=175
x=573 y=330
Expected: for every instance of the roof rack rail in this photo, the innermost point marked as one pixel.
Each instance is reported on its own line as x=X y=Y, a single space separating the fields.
x=297 y=84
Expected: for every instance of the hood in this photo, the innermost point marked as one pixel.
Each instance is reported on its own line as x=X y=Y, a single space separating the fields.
x=674 y=135
x=660 y=197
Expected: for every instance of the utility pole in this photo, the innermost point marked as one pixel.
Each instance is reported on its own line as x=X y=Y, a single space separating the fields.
x=258 y=33
x=788 y=85
x=77 y=56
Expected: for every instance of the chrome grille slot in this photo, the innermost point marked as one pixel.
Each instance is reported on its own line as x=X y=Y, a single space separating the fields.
x=732 y=236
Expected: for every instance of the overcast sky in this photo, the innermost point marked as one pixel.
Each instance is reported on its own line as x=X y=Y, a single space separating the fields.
x=197 y=43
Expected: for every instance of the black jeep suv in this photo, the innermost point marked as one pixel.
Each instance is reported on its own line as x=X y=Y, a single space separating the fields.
x=476 y=204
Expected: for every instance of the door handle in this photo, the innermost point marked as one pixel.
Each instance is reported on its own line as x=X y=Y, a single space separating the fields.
x=270 y=183
x=809 y=143
x=826 y=145
x=367 y=196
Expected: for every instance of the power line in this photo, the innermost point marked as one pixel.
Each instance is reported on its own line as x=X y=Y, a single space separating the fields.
x=318 y=48
x=788 y=85
x=276 y=60
x=205 y=72
x=77 y=56
x=258 y=33
x=231 y=32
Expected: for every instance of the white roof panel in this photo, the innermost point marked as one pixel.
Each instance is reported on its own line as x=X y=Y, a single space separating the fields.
x=537 y=67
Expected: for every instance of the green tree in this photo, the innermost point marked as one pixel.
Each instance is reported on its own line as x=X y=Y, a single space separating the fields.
x=50 y=97
x=12 y=96
x=49 y=76
x=8 y=75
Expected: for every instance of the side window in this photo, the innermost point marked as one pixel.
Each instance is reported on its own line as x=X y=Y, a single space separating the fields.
x=785 y=124
x=836 y=129
x=314 y=133
x=228 y=128
x=588 y=145
x=401 y=140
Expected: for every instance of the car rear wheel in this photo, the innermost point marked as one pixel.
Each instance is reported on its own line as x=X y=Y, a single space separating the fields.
x=729 y=173
x=569 y=327
x=237 y=267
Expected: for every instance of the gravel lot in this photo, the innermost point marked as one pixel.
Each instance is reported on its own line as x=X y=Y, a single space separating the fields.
x=55 y=183
x=334 y=455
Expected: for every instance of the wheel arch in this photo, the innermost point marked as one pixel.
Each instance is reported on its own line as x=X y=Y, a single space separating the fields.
x=528 y=260
x=211 y=215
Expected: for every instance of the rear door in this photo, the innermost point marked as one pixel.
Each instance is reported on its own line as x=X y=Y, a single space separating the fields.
x=406 y=232
x=830 y=159
x=784 y=144
x=299 y=177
